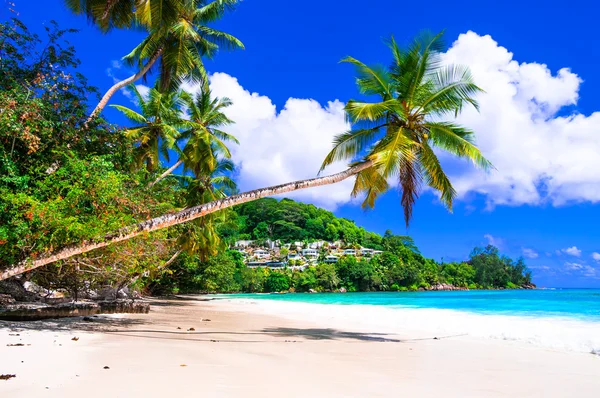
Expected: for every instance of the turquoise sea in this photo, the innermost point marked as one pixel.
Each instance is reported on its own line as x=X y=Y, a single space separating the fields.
x=564 y=319
x=583 y=304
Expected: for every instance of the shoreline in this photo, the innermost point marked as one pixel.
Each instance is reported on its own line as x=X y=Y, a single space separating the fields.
x=238 y=349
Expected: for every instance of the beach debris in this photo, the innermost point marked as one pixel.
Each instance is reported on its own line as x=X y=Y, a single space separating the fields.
x=205 y=320
x=214 y=341
x=183 y=365
x=7 y=377
x=435 y=338
x=16 y=345
x=87 y=319
x=14 y=334
x=75 y=338
x=191 y=330
x=178 y=328
x=106 y=367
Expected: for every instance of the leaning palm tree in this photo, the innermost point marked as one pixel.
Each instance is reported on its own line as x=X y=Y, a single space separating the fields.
x=397 y=134
x=156 y=131
x=177 y=44
x=202 y=133
x=393 y=138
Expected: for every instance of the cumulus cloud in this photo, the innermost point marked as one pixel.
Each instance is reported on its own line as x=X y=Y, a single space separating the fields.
x=540 y=157
x=573 y=266
x=494 y=240
x=530 y=253
x=596 y=256
x=572 y=251
x=279 y=146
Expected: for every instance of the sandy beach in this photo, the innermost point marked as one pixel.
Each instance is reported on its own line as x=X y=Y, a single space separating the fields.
x=194 y=346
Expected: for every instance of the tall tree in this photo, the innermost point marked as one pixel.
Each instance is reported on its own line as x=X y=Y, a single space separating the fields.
x=416 y=92
x=398 y=132
x=205 y=141
x=178 y=36
x=157 y=126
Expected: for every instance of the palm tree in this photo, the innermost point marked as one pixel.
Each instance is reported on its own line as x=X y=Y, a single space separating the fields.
x=157 y=126
x=201 y=237
x=109 y=14
x=397 y=134
x=204 y=138
x=178 y=42
x=394 y=138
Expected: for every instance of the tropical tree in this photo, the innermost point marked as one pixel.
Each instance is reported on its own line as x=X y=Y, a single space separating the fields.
x=157 y=126
x=205 y=141
x=416 y=92
x=201 y=236
x=397 y=134
x=178 y=36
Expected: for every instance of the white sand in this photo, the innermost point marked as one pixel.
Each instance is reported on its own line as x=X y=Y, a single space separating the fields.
x=243 y=353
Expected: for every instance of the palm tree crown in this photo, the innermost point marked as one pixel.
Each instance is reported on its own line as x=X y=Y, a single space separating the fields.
x=397 y=134
x=183 y=41
x=157 y=125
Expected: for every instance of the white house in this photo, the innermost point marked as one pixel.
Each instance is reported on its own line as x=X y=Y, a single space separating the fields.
x=377 y=252
x=366 y=252
x=331 y=259
x=243 y=243
x=349 y=252
x=310 y=253
x=294 y=256
x=260 y=253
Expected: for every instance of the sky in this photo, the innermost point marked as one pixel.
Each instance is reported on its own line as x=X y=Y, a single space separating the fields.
x=539 y=121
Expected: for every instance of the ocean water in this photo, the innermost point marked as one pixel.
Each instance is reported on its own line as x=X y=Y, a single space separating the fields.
x=564 y=319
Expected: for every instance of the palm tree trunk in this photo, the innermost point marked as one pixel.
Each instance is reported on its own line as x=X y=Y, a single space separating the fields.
x=123 y=83
x=179 y=217
x=166 y=173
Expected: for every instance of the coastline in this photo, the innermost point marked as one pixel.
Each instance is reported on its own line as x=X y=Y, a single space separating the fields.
x=247 y=350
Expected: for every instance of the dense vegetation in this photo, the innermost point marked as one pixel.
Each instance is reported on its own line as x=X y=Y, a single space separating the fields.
x=399 y=268
x=69 y=179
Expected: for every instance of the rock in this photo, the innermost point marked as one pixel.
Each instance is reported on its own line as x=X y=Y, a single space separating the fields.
x=35 y=311
x=15 y=289
x=6 y=299
x=312 y=291
x=342 y=290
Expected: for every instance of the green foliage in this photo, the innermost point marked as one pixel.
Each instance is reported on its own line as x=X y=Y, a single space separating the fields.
x=398 y=133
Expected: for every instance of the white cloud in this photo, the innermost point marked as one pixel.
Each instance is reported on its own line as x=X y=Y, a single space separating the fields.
x=572 y=251
x=596 y=256
x=573 y=266
x=282 y=146
x=494 y=240
x=539 y=156
x=530 y=253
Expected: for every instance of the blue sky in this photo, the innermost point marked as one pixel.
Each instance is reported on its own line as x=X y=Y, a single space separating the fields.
x=542 y=202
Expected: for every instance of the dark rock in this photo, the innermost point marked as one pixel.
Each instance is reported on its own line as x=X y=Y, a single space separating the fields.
x=35 y=311
x=6 y=299
x=15 y=289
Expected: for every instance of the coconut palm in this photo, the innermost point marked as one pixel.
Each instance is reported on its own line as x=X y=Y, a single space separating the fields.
x=393 y=138
x=109 y=14
x=157 y=126
x=398 y=133
x=205 y=140
x=201 y=237
x=177 y=44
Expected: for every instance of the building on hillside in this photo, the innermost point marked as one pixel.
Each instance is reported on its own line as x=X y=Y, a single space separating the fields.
x=318 y=244
x=310 y=253
x=349 y=252
x=331 y=259
x=294 y=256
x=375 y=252
x=244 y=243
x=260 y=253
x=366 y=252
